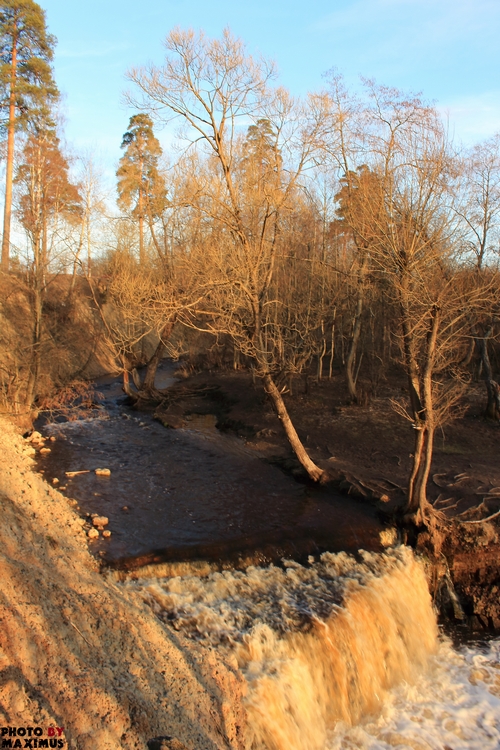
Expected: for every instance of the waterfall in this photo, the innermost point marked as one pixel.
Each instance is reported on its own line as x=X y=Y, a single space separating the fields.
x=301 y=685
x=317 y=644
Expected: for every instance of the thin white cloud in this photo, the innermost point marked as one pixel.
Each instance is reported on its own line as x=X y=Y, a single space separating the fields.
x=89 y=52
x=473 y=118
x=400 y=29
x=452 y=15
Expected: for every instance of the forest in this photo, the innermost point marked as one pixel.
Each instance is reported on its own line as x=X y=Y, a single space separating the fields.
x=249 y=389
x=343 y=238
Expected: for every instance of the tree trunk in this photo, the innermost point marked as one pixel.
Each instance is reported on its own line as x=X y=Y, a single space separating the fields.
x=322 y=352
x=9 y=171
x=411 y=365
x=332 y=349
x=37 y=307
x=356 y=332
x=492 y=406
x=270 y=387
x=141 y=225
x=425 y=425
x=76 y=261
x=126 y=385
x=148 y=384
x=417 y=502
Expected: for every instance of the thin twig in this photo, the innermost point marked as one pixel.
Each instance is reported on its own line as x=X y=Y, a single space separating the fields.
x=483 y=520
x=79 y=631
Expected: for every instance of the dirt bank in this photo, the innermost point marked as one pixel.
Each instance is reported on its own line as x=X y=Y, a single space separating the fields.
x=367 y=450
x=78 y=652
x=80 y=331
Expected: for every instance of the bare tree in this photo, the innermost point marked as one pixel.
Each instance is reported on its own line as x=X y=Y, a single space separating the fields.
x=46 y=197
x=212 y=86
x=479 y=210
x=480 y=205
x=406 y=217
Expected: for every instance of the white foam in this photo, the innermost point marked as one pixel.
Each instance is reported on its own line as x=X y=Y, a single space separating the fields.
x=453 y=705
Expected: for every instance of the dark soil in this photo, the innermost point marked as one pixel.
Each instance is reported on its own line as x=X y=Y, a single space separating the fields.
x=367 y=449
x=371 y=443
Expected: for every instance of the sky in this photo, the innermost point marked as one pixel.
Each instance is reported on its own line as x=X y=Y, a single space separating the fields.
x=446 y=49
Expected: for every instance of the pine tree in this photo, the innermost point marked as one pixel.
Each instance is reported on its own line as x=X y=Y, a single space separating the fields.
x=26 y=83
x=139 y=183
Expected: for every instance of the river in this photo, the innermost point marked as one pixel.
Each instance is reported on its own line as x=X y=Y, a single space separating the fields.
x=337 y=650
x=194 y=492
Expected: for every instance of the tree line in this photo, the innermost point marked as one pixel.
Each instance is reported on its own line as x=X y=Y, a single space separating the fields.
x=344 y=230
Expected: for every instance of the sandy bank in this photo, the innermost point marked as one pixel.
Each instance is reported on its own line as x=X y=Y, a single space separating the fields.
x=80 y=653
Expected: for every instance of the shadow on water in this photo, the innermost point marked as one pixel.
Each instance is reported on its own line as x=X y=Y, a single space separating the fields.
x=194 y=492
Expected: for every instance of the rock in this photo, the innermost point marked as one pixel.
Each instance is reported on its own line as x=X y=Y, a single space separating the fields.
x=106 y=534
x=92 y=533
x=166 y=743
x=100 y=521
x=55 y=480
x=45 y=450
x=103 y=472
x=36 y=437
x=52 y=439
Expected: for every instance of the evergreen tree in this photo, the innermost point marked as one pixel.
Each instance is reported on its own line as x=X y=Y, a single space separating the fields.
x=141 y=188
x=26 y=84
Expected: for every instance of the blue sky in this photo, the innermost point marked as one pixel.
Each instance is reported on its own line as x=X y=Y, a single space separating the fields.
x=448 y=49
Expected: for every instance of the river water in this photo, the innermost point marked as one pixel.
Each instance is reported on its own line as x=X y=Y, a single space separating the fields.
x=337 y=651
x=194 y=492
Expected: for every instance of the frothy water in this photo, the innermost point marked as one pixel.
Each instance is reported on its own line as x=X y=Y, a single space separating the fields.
x=340 y=654
x=453 y=705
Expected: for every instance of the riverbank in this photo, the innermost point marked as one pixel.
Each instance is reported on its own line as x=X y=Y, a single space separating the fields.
x=78 y=652
x=367 y=453
x=117 y=665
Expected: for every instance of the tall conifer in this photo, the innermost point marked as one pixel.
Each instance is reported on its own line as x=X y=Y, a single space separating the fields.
x=141 y=188
x=27 y=87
